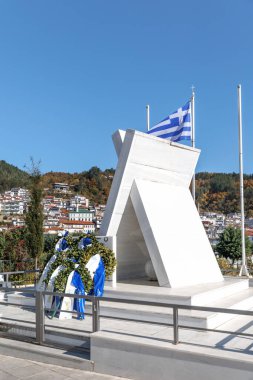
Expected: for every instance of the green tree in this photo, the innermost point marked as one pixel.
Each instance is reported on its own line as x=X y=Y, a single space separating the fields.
x=34 y=217
x=49 y=242
x=13 y=251
x=94 y=172
x=221 y=182
x=230 y=244
x=2 y=244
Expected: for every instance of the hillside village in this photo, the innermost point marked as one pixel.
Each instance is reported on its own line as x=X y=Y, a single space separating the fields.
x=65 y=210
x=215 y=223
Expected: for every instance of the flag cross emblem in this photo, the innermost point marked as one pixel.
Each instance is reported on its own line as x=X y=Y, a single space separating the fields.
x=175 y=127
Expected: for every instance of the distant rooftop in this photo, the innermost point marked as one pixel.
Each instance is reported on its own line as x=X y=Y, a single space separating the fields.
x=80 y=212
x=60 y=184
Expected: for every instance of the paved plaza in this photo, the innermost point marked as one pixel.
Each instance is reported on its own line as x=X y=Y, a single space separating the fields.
x=17 y=369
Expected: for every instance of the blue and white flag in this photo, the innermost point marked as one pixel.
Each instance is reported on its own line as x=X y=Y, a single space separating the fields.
x=62 y=244
x=99 y=280
x=96 y=268
x=176 y=126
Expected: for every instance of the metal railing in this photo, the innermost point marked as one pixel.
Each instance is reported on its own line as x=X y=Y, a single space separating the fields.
x=40 y=309
x=96 y=316
x=7 y=275
x=10 y=265
x=176 y=308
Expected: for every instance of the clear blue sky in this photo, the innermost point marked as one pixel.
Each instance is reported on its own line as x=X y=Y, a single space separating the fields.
x=74 y=71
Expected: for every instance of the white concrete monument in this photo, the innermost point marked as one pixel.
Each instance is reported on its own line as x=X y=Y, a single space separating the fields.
x=151 y=213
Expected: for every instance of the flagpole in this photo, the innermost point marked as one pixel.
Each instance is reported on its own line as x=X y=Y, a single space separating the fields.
x=193 y=136
x=147 y=117
x=243 y=270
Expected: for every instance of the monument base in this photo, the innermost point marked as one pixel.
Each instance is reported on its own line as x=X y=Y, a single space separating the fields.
x=147 y=358
x=231 y=293
x=146 y=352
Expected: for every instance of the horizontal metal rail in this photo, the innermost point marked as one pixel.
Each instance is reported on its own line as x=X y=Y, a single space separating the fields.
x=21 y=272
x=96 y=303
x=8 y=274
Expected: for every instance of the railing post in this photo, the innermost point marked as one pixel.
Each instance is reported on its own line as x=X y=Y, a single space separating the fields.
x=95 y=315
x=7 y=280
x=35 y=278
x=175 y=325
x=40 y=320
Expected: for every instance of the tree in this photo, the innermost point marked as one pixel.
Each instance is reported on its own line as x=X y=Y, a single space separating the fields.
x=13 y=251
x=221 y=182
x=248 y=196
x=94 y=172
x=230 y=244
x=49 y=242
x=34 y=217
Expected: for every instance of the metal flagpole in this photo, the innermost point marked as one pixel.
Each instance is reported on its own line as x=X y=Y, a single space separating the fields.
x=148 y=118
x=243 y=270
x=193 y=136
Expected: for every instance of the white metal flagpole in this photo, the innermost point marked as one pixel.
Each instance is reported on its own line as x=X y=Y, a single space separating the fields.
x=193 y=136
x=243 y=270
x=148 y=117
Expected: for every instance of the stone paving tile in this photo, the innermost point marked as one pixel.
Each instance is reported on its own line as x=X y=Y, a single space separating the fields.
x=8 y=362
x=7 y=376
x=95 y=376
x=21 y=369
x=25 y=371
x=78 y=373
x=46 y=375
x=62 y=370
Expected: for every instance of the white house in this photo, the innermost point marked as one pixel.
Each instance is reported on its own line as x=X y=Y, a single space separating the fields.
x=82 y=215
x=77 y=226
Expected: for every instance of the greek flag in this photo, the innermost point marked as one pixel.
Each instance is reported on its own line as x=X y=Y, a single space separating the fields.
x=176 y=126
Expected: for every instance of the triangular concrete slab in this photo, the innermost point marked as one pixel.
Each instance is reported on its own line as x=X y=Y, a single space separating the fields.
x=150 y=202
x=174 y=235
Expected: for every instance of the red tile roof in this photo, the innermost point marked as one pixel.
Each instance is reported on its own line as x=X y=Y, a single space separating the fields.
x=76 y=222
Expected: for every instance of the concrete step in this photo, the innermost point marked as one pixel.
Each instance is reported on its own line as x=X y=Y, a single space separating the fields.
x=192 y=295
x=54 y=336
x=21 y=298
x=231 y=293
x=70 y=357
x=144 y=357
x=242 y=300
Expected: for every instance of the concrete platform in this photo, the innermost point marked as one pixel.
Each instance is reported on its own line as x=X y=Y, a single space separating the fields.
x=148 y=359
x=147 y=352
x=232 y=293
x=242 y=300
x=141 y=290
x=139 y=350
x=137 y=289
